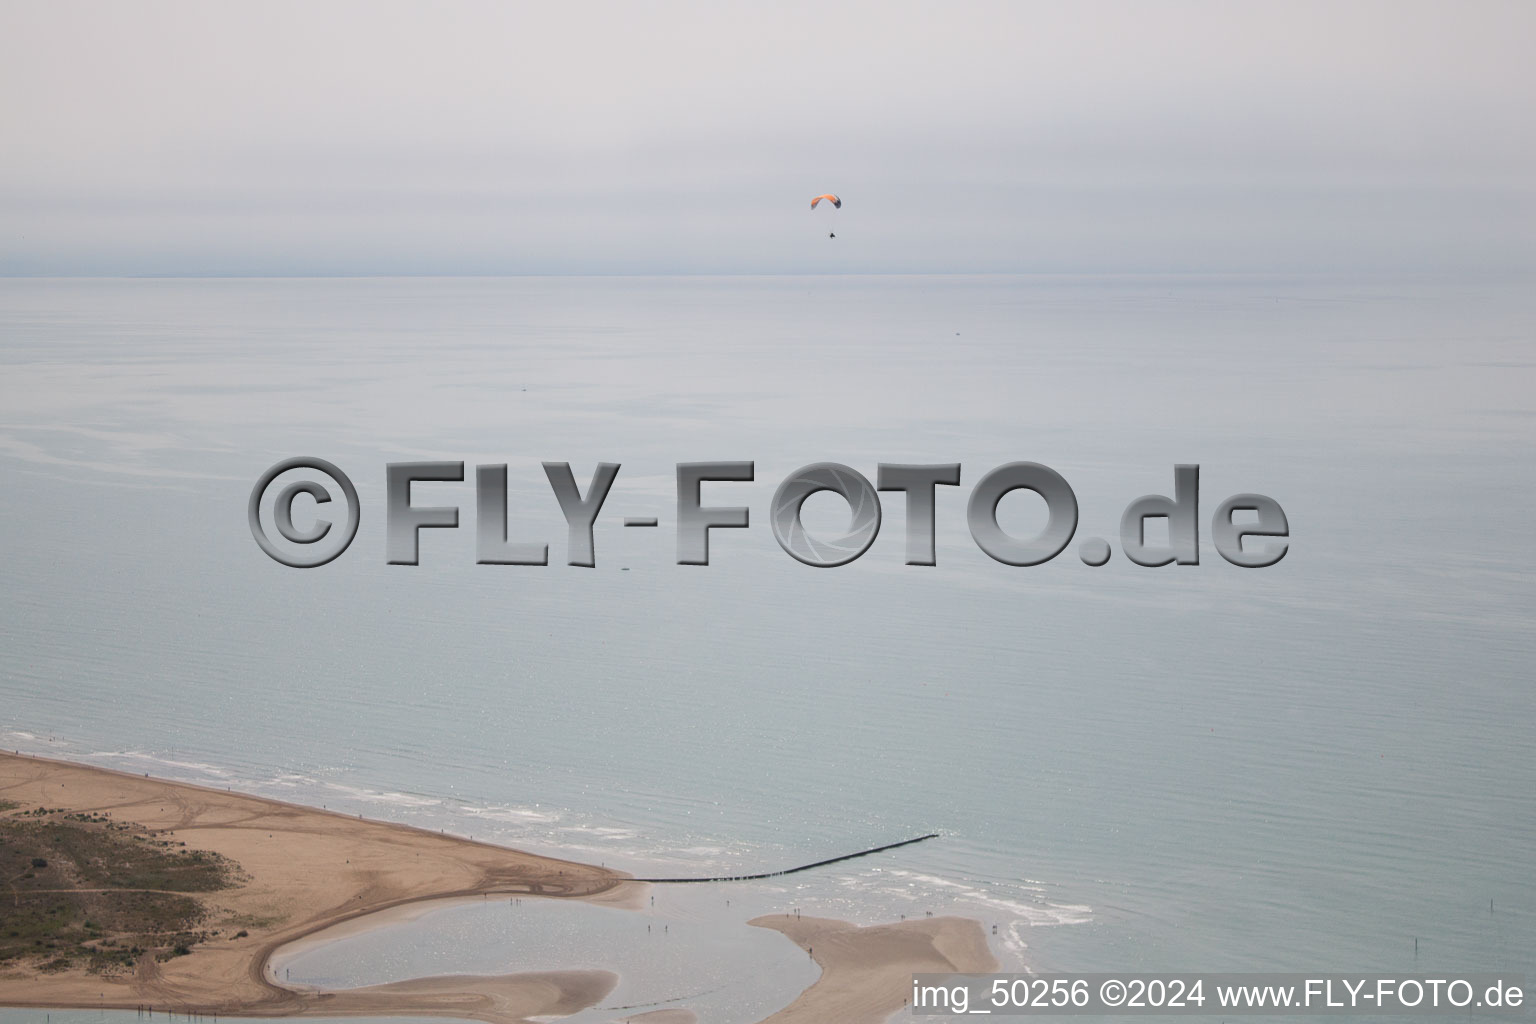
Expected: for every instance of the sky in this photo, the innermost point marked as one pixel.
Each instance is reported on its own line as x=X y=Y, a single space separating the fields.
x=280 y=138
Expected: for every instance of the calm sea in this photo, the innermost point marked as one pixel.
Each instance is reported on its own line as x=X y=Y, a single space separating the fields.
x=1301 y=768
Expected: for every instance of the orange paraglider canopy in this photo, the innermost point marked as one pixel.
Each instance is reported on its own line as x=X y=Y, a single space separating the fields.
x=835 y=201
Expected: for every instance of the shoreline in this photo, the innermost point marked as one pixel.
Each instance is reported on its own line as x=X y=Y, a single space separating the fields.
x=311 y=870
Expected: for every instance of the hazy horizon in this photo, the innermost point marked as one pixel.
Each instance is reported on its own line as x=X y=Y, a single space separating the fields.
x=174 y=139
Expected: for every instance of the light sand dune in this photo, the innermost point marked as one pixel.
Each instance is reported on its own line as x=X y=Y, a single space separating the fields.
x=310 y=871
x=867 y=972
x=661 y=1017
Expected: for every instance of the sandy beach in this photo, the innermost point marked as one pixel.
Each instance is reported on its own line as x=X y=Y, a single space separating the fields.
x=307 y=870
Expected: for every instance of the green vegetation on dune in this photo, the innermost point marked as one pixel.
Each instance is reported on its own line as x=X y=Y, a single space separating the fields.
x=85 y=890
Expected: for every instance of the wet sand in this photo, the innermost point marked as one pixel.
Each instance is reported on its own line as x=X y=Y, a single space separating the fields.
x=867 y=972
x=308 y=870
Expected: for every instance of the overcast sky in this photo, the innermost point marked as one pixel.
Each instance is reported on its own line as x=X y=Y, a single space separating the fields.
x=381 y=137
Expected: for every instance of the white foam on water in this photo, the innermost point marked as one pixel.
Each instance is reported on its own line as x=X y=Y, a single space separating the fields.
x=1036 y=912
x=864 y=894
x=604 y=832
x=200 y=770
x=291 y=780
x=510 y=813
x=382 y=796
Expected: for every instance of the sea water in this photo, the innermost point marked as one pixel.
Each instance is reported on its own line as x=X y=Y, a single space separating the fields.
x=1322 y=765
